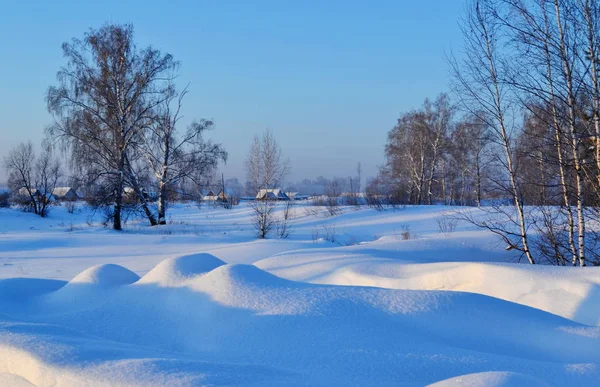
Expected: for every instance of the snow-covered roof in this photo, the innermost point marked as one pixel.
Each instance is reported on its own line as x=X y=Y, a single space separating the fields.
x=63 y=191
x=207 y=192
x=271 y=193
x=24 y=192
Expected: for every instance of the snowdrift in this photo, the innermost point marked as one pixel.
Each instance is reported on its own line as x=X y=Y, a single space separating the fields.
x=175 y=270
x=195 y=320
x=107 y=275
x=571 y=292
x=492 y=379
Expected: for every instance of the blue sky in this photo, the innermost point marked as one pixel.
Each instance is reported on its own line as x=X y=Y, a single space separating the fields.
x=328 y=77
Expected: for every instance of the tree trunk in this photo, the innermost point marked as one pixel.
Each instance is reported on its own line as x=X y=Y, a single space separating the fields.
x=558 y=136
x=593 y=57
x=477 y=182
x=119 y=196
x=568 y=75
x=421 y=181
x=432 y=170
x=140 y=195
x=161 y=203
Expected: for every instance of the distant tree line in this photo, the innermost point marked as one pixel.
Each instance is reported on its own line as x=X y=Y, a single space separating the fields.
x=435 y=157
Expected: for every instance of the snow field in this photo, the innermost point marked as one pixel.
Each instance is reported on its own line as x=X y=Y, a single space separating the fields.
x=206 y=304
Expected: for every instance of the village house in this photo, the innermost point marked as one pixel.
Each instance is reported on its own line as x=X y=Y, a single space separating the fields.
x=24 y=197
x=65 y=193
x=271 y=194
x=23 y=192
x=208 y=194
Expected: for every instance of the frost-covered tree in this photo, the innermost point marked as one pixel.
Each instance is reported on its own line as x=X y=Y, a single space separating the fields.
x=104 y=100
x=416 y=146
x=266 y=167
x=173 y=157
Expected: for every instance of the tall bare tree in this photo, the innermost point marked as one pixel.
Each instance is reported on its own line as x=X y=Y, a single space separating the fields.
x=416 y=145
x=266 y=167
x=173 y=158
x=105 y=98
x=480 y=84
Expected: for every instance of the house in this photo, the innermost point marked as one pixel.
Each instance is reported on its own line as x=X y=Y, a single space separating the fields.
x=208 y=194
x=24 y=197
x=23 y=192
x=65 y=193
x=271 y=194
x=292 y=195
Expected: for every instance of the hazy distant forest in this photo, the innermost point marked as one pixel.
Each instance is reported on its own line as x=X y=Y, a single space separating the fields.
x=517 y=134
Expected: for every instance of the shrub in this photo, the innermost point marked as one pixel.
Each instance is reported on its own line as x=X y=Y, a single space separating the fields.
x=70 y=206
x=405 y=233
x=4 y=200
x=446 y=224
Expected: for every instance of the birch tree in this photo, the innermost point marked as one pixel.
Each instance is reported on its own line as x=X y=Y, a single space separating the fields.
x=172 y=157
x=478 y=80
x=104 y=100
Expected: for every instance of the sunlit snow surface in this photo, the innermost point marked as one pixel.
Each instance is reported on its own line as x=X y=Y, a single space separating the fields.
x=202 y=302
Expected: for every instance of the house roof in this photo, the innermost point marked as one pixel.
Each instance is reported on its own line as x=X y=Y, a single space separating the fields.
x=23 y=191
x=271 y=193
x=63 y=191
x=207 y=192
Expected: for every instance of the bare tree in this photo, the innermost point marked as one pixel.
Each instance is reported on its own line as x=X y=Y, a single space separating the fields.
x=263 y=217
x=33 y=180
x=20 y=167
x=333 y=192
x=173 y=158
x=416 y=146
x=438 y=116
x=353 y=197
x=105 y=99
x=266 y=167
x=468 y=161
x=284 y=228
x=479 y=84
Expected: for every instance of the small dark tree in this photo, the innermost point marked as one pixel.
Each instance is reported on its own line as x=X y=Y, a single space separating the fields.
x=33 y=181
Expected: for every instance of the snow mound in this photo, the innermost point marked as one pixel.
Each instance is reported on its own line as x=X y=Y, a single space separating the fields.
x=570 y=292
x=247 y=275
x=15 y=290
x=106 y=276
x=492 y=379
x=13 y=380
x=283 y=332
x=176 y=270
